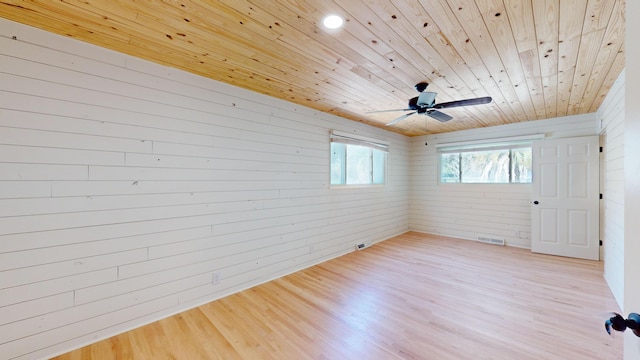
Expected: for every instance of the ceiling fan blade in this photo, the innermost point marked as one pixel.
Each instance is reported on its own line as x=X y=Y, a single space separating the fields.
x=390 y=110
x=466 y=102
x=401 y=118
x=440 y=116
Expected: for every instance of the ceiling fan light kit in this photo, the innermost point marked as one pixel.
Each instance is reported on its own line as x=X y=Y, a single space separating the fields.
x=426 y=99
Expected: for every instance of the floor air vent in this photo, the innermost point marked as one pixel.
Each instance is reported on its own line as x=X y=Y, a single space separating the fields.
x=490 y=240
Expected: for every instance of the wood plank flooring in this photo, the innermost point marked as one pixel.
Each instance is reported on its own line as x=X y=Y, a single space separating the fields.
x=415 y=296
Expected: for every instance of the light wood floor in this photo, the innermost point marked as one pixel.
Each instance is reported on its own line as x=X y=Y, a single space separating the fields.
x=411 y=297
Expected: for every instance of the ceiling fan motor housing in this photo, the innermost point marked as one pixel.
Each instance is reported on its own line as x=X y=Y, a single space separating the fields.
x=421 y=86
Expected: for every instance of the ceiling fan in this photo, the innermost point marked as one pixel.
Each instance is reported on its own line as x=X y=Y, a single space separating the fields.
x=425 y=103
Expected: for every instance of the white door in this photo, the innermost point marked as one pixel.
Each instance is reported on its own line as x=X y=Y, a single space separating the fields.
x=565 y=191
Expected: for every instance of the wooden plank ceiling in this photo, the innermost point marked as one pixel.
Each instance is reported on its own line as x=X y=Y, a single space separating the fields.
x=537 y=59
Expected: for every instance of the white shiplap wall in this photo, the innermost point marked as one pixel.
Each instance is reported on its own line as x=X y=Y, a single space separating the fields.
x=466 y=211
x=125 y=186
x=611 y=113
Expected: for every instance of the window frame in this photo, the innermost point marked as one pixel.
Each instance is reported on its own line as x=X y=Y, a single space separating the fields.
x=356 y=140
x=499 y=144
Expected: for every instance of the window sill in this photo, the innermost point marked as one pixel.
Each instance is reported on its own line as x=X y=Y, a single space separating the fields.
x=355 y=186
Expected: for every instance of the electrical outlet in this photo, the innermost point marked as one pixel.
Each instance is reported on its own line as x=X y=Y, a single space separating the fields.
x=312 y=249
x=216 y=278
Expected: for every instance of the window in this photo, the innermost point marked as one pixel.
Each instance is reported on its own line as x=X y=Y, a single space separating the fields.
x=491 y=163
x=357 y=160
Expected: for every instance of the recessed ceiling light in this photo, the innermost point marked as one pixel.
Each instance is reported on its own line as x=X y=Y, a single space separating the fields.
x=333 y=21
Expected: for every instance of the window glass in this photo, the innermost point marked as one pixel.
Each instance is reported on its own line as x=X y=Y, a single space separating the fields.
x=450 y=168
x=378 y=166
x=499 y=165
x=356 y=165
x=521 y=165
x=338 y=163
x=489 y=166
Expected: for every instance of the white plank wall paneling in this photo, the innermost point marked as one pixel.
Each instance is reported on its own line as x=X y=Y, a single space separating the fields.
x=467 y=211
x=125 y=186
x=612 y=116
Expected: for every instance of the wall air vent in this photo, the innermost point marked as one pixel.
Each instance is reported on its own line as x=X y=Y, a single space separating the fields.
x=491 y=240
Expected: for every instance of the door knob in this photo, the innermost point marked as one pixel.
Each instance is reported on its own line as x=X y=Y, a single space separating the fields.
x=536 y=202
